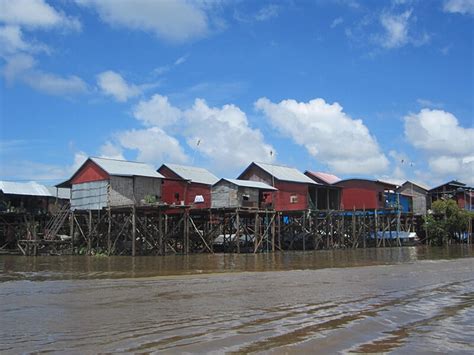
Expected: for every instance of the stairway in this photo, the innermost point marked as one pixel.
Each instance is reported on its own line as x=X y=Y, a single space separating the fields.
x=56 y=222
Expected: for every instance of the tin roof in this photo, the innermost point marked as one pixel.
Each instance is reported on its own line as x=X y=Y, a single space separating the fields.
x=24 y=188
x=249 y=183
x=326 y=177
x=424 y=187
x=285 y=173
x=126 y=168
x=194 y=174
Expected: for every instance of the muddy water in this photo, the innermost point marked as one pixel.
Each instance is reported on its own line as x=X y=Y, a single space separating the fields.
x=400 y=300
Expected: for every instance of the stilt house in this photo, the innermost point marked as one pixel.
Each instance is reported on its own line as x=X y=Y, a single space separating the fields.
x=233 y=193
x=365 y=194
x=295 y=191
x=419 y=196
x=454 y=190
x=328 y=196
x=187 y=185
x=101 y=183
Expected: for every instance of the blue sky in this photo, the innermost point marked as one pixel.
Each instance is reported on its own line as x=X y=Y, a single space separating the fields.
x=357 y=88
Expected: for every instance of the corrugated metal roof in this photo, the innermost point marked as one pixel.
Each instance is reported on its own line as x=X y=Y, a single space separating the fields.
x=194 y=174
x=326 y=177
x=285 y=173
x=250 y=183
x=424 y=187
x=24 y=188
x=126 y=168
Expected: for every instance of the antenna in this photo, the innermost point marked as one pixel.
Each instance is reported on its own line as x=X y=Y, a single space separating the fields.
x=194 y=153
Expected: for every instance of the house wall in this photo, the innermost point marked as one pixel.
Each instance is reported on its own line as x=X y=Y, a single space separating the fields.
x=90 y=195
x=90 y=172
x=419 y=198
x=361 y=194
x=282 y=198
x=132 y=190
x=228 y=195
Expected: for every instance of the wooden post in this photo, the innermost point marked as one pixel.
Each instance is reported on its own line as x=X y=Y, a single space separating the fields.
x=186 y=232
x=255 y=233
x=364 y=236
x=279 y=229
x=109 y=230
x=354 y=234
x=134 y=231
x=89 y=236
x=273 y=232
x=376 y=229
x=303 y=230
x=237 y=233
x=71 y=229
x=160 y=232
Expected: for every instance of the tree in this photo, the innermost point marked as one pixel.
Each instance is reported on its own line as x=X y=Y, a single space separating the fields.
x=447 y=223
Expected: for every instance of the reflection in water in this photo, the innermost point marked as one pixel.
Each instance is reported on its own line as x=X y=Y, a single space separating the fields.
x=407 y=300
x=83 y=267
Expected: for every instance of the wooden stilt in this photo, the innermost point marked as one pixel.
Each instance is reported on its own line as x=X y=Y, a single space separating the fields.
x=134 y=231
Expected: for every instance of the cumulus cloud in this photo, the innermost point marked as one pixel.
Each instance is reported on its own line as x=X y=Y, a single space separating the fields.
x=113 y=84
x=225 y=135
x=153 y=145
x=448 y=146
x=11 y=40
x=327 y=133
x=459 y=6
x=35 y=14
x=22 y=67
x=111 y=151
x=156 y=112
x=172 y=20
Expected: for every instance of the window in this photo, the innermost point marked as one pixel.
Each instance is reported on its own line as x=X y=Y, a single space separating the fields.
x=294 y=199
x=245 y=197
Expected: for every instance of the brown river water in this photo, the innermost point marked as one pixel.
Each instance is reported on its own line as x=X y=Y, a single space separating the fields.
x=396 y=300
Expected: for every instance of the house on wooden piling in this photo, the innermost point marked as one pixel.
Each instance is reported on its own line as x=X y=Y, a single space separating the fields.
x=365 y=194
x=101 y=183
x=295 y=191
x=234 y=193
x=328 y=196
x=187 y=185
x=31 y=197
x=419 y=196
x=454 y=190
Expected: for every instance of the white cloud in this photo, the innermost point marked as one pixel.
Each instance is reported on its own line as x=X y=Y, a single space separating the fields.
x=153 y=145
x=157 y=112
x=172 y=20
x=113 y=84
x=448 y=146
x=336 y=22
x=459 y=6
x=267 y=12
x=398 y=31
x=35 y=14
x=225 y=135
x=428 y=103
x=22 y=67
x=166 y=68
x=396 y=27
x=111 y=151
x=328 y=134
x=11 y=40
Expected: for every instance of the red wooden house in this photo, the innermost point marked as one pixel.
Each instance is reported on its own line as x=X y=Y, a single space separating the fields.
x=364 y=194
x=187 y=185
x=294 y=188
x=101 y=183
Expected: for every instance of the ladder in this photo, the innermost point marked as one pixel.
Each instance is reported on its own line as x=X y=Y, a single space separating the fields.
x=56 y=222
